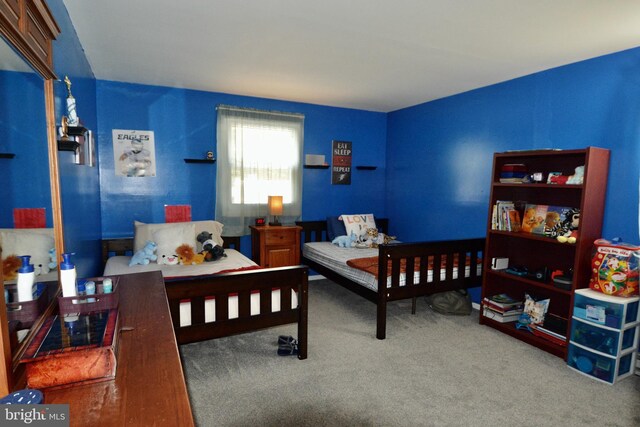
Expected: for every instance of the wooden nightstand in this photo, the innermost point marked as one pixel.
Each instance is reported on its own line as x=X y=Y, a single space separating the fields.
x=275 y=246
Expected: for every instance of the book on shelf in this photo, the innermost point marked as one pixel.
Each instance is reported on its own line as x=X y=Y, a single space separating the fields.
x=533 y=218
x=552 y=329
x=500 y=317
x=504 y=301
x=503 y=310
x=545 y=220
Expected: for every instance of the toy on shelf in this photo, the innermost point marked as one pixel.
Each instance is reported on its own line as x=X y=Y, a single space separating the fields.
x=569 y=227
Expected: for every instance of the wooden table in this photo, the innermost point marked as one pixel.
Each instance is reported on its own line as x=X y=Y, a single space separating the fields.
x=149 y=388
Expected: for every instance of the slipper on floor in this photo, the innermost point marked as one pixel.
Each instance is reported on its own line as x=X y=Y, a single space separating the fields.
x=286 y=339
x=288 y=349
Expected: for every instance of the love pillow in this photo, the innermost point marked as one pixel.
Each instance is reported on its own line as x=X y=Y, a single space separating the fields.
x=358 y=223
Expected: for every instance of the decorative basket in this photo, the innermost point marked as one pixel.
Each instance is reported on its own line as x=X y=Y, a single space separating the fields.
x=27 y=312
x=83 y=304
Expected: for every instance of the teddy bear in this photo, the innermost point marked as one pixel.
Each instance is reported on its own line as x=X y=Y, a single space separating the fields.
x=210 y=249
x=188 y=256
x=144 y=255
x=10 y=266
x=345 y=241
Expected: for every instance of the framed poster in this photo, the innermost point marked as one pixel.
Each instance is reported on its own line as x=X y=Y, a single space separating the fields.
x=341 y=163
x=134 y=152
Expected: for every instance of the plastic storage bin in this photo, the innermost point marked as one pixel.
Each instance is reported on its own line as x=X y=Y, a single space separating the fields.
x=614 y=312
x=604 y=335
x=602 y=339
x=599 y=366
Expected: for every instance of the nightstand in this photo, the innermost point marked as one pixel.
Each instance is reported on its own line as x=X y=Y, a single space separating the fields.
x=275 y=246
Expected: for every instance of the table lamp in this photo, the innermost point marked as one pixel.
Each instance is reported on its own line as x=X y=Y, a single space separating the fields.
x=275 y=208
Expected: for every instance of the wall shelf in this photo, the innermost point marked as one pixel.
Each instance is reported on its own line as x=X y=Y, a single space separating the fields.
x=199 y=160
x=316 y=166
x=366 y=168
x=7 y=155
x=69 y=145
x=76 y=130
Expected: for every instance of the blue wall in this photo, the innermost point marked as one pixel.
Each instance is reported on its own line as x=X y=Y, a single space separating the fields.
x=80 y=184
x=439 y=154
x=184 y=125
x=23 y=132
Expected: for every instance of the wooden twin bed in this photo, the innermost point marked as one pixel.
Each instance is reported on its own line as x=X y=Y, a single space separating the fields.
x=239 y=286
x=411 y=269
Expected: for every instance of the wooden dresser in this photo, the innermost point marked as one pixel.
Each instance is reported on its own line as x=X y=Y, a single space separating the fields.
x=149 y=388
x=275 y=246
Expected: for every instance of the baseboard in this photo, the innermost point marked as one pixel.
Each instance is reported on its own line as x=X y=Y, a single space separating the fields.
x=316 y=277
x=475 y=305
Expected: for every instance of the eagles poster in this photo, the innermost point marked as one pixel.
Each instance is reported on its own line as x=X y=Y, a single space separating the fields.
x=134 y=152
x=341 y=163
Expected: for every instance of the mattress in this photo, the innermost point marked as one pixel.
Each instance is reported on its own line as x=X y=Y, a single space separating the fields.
x=233 y=261
x=335 y=258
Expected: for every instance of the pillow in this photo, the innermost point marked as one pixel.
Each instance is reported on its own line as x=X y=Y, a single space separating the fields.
x=144 y=232
x=29 y=241
x=169 y=238
x=358 y=224
x=335 y=228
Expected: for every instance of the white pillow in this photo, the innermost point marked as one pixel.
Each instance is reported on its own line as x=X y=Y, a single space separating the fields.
x=144 y=232
x=358 y=223
x=29 y=241
x=169 y=238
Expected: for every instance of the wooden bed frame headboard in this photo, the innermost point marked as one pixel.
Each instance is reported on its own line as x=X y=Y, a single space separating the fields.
x=316 y=231
x=124 y=246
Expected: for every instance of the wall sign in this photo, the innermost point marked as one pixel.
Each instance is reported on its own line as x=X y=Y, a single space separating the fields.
x=134 y=152
x=341 y=163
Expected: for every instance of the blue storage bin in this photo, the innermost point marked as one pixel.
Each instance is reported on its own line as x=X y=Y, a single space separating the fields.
x=600 y=339
x=614 y=312
x=601 y=367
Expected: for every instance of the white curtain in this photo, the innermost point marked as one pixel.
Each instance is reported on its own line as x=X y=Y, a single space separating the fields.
x=259 y=155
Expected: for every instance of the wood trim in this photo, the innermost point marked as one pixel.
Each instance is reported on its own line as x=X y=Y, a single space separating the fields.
x=54 y=173
x=18 y=36
x=6 y=377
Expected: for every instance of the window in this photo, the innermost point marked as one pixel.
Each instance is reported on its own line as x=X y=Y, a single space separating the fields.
x=259 y=154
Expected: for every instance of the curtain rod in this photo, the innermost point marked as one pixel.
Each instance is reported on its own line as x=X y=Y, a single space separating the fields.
x=255 y=110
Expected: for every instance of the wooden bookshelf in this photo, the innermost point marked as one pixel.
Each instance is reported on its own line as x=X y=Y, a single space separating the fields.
x=536 y=252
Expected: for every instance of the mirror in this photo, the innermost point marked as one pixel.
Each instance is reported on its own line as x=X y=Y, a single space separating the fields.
x=24 y=171
x=26 y=175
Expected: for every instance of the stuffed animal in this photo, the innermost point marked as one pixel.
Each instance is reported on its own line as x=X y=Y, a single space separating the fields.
x=169 y=259
x=578 y=177
x=210 y=249
x=375 y=238
x=144 y=255
x=10 y=266
x=569 y=227
x=188 y=256
x=345 y=241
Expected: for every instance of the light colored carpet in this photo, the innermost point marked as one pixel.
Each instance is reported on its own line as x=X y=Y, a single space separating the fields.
x=432 y=370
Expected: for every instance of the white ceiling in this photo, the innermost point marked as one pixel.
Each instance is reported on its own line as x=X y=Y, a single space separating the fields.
x=368 y=54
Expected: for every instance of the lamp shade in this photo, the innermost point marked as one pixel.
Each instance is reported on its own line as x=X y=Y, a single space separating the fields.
x=275 y=205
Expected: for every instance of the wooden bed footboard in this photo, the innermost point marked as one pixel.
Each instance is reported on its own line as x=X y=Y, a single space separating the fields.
x=399 y=260
x=241 y=285
x=442 y=266
x=238 y=285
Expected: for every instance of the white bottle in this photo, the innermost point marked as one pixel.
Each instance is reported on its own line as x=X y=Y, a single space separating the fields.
x=26 y=278
x=68 y=276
